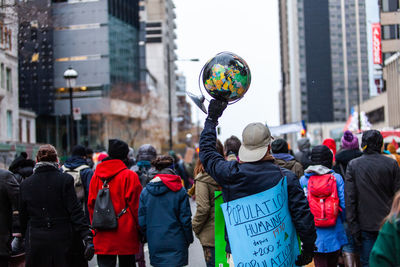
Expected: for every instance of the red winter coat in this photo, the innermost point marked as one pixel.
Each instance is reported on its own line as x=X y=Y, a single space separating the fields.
x=125 y=190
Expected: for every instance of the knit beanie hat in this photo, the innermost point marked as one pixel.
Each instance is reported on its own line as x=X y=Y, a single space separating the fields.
x=118 y=149
x=349 y=140
x=279 y=146
x=322 y=155
x=79 y=150
x=146 y=153
x=372 y=141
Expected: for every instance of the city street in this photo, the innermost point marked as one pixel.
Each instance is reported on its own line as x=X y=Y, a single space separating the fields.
x=196 y=257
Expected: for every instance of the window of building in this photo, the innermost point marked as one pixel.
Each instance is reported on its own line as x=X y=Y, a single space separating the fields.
x=391 y=32
x=377 y=115
x=8 y=80
x=20 y=130
x=9 y=124
x=390 y=5
x=28 y=131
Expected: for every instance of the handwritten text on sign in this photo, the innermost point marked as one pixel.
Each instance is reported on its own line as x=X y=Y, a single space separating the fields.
x=260 y=229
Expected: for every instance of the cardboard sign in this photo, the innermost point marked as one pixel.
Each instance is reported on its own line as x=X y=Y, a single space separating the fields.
x=189 y=155
x=260 y=229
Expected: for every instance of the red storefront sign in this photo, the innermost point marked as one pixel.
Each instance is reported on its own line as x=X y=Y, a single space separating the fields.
x=376 y=43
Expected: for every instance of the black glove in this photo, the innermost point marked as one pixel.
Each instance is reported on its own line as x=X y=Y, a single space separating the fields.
x=215 y=109
x=305 y=257
x=89 y=248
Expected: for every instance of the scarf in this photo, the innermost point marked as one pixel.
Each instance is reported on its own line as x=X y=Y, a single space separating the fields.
x=46 y=164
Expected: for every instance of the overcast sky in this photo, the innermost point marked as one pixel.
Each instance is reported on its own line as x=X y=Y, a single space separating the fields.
x=249 y=29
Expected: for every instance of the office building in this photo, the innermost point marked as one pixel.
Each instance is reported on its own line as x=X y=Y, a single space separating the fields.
x=390 y=23
x=323 y=59
x=160 y=58
x=17 y=131
x=184 y=110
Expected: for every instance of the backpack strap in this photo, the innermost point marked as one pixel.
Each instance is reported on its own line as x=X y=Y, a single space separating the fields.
x=108 y=180
x=105 y=185
x=82 y=167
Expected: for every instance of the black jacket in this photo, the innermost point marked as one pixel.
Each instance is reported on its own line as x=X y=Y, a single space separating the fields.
x=243 y=179
x=343 y=157
x=9 y=190
x=52 y=219
x=370 y=184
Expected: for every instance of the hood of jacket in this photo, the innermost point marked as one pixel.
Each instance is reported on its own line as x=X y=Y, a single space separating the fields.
x=286 y=164
x=162 y=183
x=109 y=168
x=316 y=170
x=344 y=156
x=303 y=144
x=283 y=156
x=204 y=177
x=74 y=162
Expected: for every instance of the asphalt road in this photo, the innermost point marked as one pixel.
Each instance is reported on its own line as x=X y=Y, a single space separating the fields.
x=196 y=258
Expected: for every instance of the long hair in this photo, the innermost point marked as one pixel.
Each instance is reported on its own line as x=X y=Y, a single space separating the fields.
x=395 y=210
x=199 y=166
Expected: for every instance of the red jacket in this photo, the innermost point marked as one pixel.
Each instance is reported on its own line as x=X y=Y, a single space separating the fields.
x=125 y=190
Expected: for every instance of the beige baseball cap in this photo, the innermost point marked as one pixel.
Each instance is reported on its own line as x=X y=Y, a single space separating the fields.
x=255 y=140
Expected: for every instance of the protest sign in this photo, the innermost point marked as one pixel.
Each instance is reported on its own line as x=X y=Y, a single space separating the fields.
x=219 y=230
x=260 y=229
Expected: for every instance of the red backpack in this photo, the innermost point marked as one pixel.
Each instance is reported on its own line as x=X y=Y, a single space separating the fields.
x=323 y=199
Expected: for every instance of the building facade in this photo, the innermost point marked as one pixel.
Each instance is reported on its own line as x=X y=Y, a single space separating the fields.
x=17 y=126
x=184 y=109
x=160 y=58
x=8 y=74
x=390 y=23
x=324 y=57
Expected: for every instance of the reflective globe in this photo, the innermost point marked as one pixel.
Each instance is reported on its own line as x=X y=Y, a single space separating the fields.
x=226 y=77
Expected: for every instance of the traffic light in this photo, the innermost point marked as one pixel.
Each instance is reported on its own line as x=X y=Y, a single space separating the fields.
x=303 y=133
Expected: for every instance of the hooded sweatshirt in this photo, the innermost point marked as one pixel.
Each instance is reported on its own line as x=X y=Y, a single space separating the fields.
x=287 y=161
x=329 y=239
x=304 y=153
x=165 y=219
x=125 y=190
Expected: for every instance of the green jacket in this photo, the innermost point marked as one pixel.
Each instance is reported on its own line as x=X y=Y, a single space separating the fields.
x=203 y=220
x=386 y=251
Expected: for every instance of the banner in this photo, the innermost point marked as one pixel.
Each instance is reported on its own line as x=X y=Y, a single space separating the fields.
x=219 y=230
x=260 y=229
x=294 y=127
x=376 y=43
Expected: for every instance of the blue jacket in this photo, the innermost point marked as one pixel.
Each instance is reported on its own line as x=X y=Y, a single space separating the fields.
x=329 y=239
x=243 y=179
x=165 y=219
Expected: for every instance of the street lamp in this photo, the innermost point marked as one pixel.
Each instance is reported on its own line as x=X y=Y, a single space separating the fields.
x=70 y=76
x=169 y=61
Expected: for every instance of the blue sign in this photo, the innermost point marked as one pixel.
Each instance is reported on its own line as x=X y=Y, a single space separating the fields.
x=260 y=229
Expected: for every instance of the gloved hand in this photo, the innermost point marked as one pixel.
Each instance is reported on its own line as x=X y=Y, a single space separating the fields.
x=89 y=248
x=215 y=109
x=305 y=257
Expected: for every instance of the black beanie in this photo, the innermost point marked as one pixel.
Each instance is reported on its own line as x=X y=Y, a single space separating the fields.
x=117 y=149
x=279 y=146
x=322 y=155
x=372 y=141
x=79 y=151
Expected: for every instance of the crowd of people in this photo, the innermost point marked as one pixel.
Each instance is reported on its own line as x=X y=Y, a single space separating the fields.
x=62 y=215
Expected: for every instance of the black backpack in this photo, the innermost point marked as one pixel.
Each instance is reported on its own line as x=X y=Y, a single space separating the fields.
x=104 y=217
